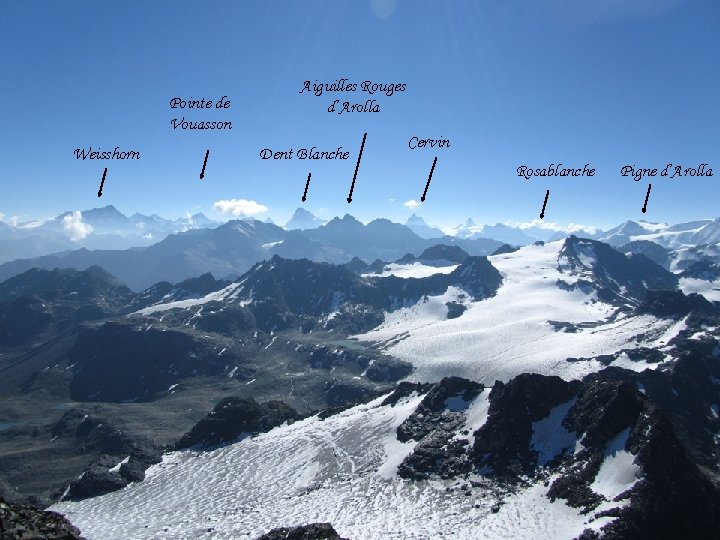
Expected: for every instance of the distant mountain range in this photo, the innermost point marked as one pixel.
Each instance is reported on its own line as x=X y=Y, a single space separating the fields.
x=141 y=250
x=108 y=228
x=98 y=228
x=515 y=236
x=232 y=248
x=692 y=233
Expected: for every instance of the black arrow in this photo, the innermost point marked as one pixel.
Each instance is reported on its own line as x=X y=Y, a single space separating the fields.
x=647 y=196
x=422 y=199
x=357 y=166
x=542 y=213
x=307 y=185
x=102 y=183
x=202 y=173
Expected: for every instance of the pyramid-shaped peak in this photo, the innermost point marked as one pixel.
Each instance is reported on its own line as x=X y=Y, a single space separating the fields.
x=415 y=220
x=301 y=212
x=303 y=219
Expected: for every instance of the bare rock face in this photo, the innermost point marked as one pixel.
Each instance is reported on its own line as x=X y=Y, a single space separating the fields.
x=675 y=304
x=604 y=415
x=434 y=423
x=503 y=443
x=623 y=280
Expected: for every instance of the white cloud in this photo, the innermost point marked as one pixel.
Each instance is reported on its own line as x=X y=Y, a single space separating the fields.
x=412 y=204
x=550 y=225
x=75 y=227
x=576 y=227
x=239 y=207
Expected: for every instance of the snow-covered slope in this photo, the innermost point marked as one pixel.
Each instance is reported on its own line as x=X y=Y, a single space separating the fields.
x=671 y=236
x=412 y=270
x=684 y=258
x=709 y=289
x=510 y=333
x=342 y=470
x=168 y=304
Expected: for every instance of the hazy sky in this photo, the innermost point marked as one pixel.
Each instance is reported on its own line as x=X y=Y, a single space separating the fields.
x=511 y=83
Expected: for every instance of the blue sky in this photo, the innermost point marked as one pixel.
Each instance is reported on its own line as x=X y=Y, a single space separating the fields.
x=534 y=82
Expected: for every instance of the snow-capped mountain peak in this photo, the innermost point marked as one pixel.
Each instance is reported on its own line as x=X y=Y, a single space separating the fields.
x=421 y=228
x=302 y=219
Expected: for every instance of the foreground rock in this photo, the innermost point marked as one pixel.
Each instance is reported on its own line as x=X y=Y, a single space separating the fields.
x=19 y=522
x=579 y=437
x=312 y=531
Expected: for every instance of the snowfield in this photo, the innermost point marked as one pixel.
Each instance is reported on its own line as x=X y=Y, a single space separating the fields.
x=230 y=292
x=509 y=334
x=413 y=270
x=618 y=471
x=216 y=296
x=341 y=470
x=709 y=289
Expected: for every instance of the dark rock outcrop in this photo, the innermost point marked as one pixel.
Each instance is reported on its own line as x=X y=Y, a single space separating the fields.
x=234 y=417
x=356 y=265
x=38 y=301
x=433 y=425
x=338 y=393
x=505 y=249
x=704 y=269
x=442 y=252
x=96 y=480
x=386 y=369
x=91 y=432
x=502 y=444
x=674 y=304
x=655 y=252
x=617 y=278
x=122 y=459
x=686 y=394
x=452 y=394
x=578 y=426
x=405 y=389
x=674 y=499
x=311 y=531
x=20 y=522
